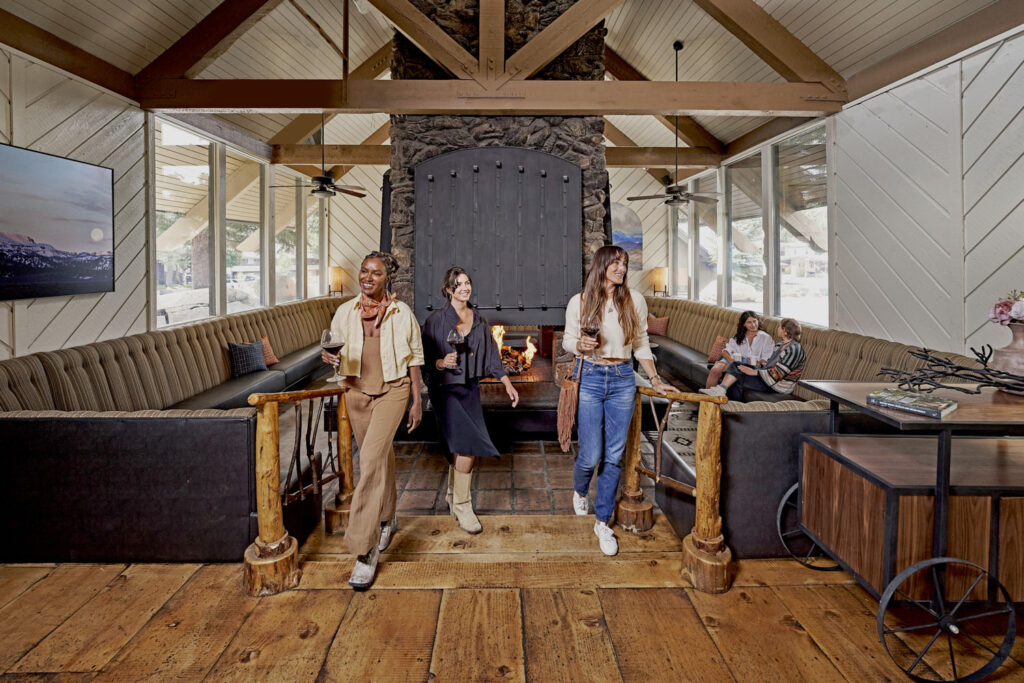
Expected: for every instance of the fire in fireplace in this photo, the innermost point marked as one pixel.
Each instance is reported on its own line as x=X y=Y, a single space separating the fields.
x=516 y=361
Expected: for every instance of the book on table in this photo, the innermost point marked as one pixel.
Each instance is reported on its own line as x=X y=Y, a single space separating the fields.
x=912 y=402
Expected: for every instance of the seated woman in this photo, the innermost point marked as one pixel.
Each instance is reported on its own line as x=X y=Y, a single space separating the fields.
x=750 y=342
x=780 y=373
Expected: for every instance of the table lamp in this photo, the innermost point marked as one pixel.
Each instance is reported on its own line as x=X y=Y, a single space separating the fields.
x=334 y=287
x=659 y=281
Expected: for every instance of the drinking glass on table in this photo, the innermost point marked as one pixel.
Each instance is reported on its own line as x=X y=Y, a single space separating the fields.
x=591 y=327
x=332 y=345
x=458 y=342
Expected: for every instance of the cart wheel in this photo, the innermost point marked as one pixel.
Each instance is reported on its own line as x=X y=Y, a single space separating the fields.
x=797 y=543
x=948 y=638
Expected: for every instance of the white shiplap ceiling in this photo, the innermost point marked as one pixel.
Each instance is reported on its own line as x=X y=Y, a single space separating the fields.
x=850 y=36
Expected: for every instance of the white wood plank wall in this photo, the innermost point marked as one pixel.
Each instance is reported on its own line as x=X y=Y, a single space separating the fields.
x=628 y=182
x=355 y=223
x=928 y=203
x=53 y=113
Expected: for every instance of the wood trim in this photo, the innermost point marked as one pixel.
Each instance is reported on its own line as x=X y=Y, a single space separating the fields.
x=492 y=39
x=596 y=98
x=208 y=39
x=428 y=37
x=380 y=155
x=772 y=42
x=686 y=127
x=28 y=38
x=974 y=29
x=557 y=36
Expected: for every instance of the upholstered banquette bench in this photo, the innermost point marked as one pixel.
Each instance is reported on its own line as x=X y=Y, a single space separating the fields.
x=760 y=437
x=143 y=448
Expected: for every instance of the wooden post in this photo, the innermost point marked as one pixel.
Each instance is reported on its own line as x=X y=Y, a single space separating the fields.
x=336 y=516
x=272 y=560
x=633 y=513
x=706 y=558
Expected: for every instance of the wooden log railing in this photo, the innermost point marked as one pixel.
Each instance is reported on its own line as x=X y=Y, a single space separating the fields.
x=272 y=560
x=706 y=558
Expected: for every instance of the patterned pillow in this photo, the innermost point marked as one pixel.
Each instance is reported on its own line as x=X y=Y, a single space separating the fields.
x=715 y=354
x=268 y=353
x=658 y=326
x=246 y=358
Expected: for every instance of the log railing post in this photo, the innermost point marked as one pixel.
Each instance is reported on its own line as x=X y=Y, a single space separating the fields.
x=272 y=560
x=336 y=516
x=706 y=558
x=633 y=513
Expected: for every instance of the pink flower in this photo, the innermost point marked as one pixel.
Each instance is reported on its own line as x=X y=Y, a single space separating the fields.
x=1001 y=312
x=1017 y=312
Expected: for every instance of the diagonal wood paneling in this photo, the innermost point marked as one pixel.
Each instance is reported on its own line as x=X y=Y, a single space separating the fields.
x=53 y=113
x=6 y=308
x=993 y=151
x=627 y=182
x=355 y=223
x=898 y=214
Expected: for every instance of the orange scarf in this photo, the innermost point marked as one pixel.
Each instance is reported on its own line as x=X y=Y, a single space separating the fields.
x=371 y=308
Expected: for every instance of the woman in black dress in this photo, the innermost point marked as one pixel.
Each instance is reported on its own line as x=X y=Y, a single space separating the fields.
x=453 y=381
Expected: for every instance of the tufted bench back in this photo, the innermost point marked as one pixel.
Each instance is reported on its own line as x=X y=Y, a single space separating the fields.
x=153 y=370
x=831 y=354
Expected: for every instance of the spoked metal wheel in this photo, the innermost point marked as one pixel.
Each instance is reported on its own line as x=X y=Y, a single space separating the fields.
x=952 y=635
x=797 y=543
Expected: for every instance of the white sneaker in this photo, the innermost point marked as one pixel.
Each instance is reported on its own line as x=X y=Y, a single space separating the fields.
x=579 y=504
x=364 y=570
x=387 y=532
x=718 y=390
x=606 y=539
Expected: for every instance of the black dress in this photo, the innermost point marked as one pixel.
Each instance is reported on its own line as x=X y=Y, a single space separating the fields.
x=455 y=396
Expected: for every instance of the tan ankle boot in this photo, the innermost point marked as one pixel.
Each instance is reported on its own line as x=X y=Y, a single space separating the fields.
x=448 y=495
x=463 y=502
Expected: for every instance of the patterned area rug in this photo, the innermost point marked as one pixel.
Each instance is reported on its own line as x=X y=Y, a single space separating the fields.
x=680 y=435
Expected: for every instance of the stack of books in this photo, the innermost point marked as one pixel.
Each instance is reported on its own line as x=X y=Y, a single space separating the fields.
x=912 y=402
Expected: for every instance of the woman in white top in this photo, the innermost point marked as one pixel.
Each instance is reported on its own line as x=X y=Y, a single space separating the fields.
x=617 y=321
x=749 y=346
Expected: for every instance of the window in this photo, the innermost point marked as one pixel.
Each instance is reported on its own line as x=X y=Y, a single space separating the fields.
x=680 y=217
x=802 y=207
x=708 y=242
x=242 y=233
x=745 y=216
x=314 y=274
x=286 y=238
x=182 y=220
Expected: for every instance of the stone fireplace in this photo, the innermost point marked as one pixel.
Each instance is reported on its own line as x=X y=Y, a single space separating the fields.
x=574 y=139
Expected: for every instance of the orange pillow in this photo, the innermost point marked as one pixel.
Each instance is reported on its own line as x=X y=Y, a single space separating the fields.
x=658 y=326
x=715 y=354
x=268 y=353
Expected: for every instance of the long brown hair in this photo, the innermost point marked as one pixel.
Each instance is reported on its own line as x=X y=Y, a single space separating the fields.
x=594 y=296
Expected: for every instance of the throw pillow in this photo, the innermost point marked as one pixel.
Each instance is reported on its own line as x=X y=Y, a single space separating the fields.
x=246 y=358
x=268 y=353
x=715 y=354
x=658 y=326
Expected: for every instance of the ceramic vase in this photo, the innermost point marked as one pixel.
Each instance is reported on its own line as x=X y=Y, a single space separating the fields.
x=1010 y=358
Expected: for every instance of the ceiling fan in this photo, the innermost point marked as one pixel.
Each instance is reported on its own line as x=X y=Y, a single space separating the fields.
x=676 y=194
x=323 y=185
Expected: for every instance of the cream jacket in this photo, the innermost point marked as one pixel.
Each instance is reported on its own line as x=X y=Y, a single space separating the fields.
x=613 y=340
x=400 y=342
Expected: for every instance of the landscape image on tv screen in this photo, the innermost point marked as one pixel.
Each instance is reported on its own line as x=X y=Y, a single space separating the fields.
x=56 y=225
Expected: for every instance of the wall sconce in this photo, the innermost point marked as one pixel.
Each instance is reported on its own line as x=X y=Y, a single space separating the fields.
x=659 y=280
x=334 y=287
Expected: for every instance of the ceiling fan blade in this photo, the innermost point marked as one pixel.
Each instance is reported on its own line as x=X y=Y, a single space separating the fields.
x=354 y=188
x=705 y=194
x=702 y=200
x=649 y=196
x=275 y=187
x=349 y=192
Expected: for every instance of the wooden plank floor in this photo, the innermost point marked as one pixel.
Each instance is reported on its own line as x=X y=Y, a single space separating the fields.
x=530 y=599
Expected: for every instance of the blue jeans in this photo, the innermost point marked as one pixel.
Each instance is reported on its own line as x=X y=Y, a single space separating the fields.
x=607 y=393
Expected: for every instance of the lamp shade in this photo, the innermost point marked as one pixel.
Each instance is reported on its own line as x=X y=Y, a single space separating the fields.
x=659 y=278
x=336 y=275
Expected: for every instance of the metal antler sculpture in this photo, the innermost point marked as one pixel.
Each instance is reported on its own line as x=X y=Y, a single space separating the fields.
x=937 y=372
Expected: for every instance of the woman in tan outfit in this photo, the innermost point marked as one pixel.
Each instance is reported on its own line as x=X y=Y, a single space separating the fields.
x=380 y=361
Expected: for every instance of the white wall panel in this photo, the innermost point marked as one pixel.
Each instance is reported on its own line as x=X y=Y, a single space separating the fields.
x=53 y=113
x=627 y=182
x=6 y=308
x=355 y=223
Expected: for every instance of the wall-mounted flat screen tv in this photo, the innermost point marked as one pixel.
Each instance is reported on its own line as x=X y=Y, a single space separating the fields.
x=56 y=225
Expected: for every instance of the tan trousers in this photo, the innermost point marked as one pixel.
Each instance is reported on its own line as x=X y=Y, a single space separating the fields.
x=374 y=421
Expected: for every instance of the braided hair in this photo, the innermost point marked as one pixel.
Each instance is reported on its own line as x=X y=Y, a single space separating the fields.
x=389 y=261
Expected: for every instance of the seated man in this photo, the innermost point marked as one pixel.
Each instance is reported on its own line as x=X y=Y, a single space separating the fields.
x=780 y=373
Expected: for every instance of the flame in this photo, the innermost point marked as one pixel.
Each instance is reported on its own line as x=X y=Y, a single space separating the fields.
x=530 y=350
x=498 y=332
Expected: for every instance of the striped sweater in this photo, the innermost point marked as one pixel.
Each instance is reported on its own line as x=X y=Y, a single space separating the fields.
x=784 y=367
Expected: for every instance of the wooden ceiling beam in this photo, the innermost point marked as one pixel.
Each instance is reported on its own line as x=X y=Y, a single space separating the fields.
x=772 y=42
x=380 y=155
x=686 y=127
x=46 y=47
x=428 y=37
x=492 y=39
x=456 y=97
x=208 y=39
x=762 y=133
x=211 y=125
x=558 y=36
x=377 y=137
x=618 y=138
